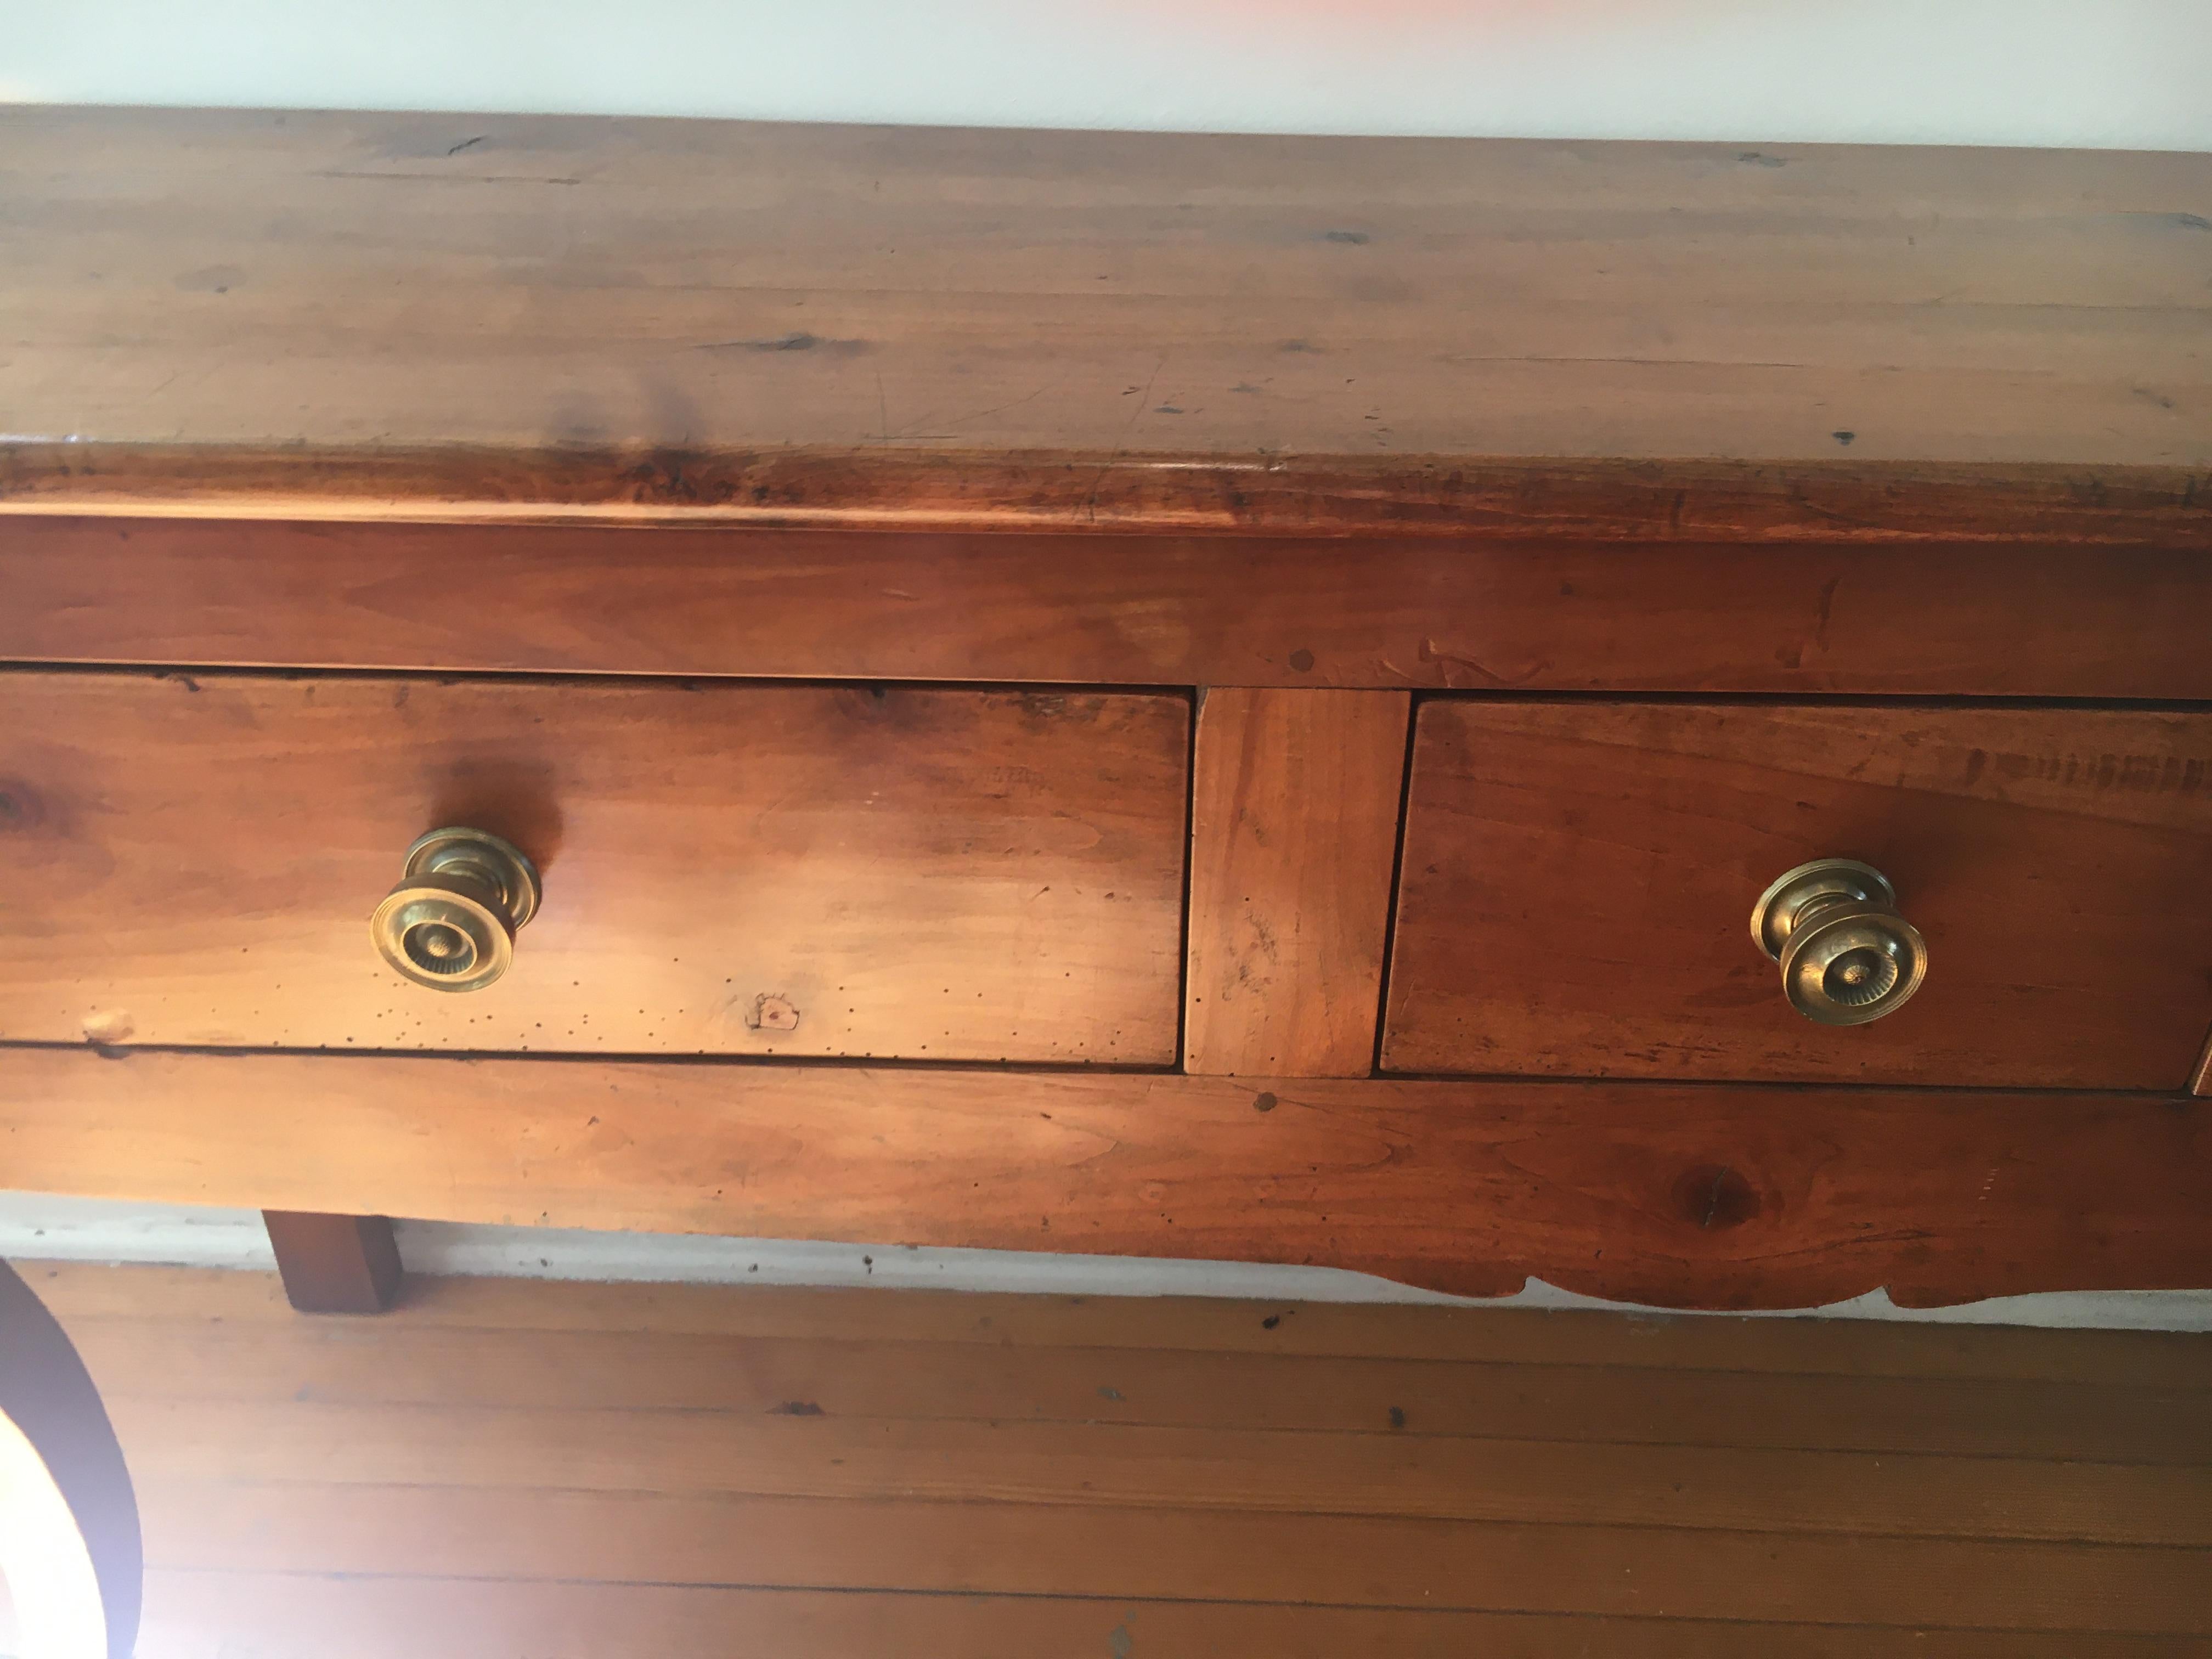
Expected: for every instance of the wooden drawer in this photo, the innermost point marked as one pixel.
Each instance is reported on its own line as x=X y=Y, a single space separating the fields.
x=1578 y=878
x=925 y=873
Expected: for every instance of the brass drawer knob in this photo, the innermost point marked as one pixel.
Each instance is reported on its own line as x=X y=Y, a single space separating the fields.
x=450 y=924
x=1847 y=957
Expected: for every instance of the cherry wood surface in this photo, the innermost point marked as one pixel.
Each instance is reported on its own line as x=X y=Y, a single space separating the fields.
x=577 y=1471
x=1578 y=879
x=1949 y=617
x=1081 y=426
x=406 y=314
x=1294 y=829
x=1749 y=1197
x=787 y=870
x=335 y=1264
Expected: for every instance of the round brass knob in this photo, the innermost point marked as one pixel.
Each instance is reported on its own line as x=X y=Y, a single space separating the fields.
x=450 y=924
x=1847 y=957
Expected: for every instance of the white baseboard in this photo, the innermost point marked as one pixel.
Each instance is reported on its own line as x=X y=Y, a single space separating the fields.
x=34 y=1226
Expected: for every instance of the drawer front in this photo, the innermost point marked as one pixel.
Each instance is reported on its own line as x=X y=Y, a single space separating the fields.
x=1578 y=879
x=727 y=868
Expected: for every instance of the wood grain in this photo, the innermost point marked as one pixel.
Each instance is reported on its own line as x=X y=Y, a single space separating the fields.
x=1178 y=1554
x=923 y=872
x=1677 y=1196
x=1004 y=1326
x=666 y=320
x=1578 y=879
x=311 y=1492
x=1127 y=1467
x=1868 y=503
x=330 y=1616
x=833 y=1357
x=335 y=1264
x=1389 y=612
x=1294 y=829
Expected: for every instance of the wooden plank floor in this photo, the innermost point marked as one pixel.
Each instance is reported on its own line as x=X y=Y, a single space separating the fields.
x=522 y=1470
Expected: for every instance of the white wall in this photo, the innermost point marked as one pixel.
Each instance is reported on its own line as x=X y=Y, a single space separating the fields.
x=2133 y=74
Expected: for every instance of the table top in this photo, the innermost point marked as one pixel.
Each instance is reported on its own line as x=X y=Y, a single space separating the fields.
x=313 y=314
